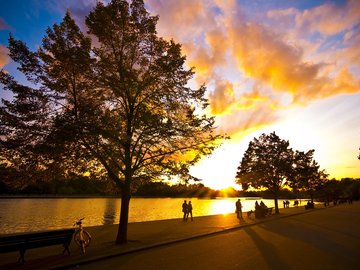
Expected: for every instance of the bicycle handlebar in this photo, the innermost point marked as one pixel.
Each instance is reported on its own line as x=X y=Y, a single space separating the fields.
x=79 y=222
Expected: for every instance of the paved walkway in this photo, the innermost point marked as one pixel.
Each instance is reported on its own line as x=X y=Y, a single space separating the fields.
x=141 y=236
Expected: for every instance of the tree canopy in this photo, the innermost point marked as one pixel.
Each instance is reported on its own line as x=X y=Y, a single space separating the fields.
x=269 y=163
x=266 y=164
x=115 y=100
x=307 y=175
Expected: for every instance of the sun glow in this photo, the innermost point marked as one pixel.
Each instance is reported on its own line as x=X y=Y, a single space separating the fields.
x=222 y=206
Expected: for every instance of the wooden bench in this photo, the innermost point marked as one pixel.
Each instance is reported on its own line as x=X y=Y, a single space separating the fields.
x=22 y=242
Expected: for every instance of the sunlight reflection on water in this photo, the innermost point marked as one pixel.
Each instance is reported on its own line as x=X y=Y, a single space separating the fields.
x=28 y=214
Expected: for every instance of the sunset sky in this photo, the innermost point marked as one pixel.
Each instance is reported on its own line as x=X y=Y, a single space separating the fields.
x=286 y=66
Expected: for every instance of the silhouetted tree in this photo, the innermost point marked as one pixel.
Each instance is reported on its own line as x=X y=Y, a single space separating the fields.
x=316 y=183
x=267 y=163
x=121 y=103
x=306 y=173
x=332 y=190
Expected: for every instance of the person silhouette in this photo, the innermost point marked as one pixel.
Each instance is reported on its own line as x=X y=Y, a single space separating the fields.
x=184 y=209
x=189 y=211
x=238 y=209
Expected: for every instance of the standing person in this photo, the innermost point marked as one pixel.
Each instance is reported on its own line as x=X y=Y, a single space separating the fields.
x=238 y=209
x=184 y=209
x=189 y=211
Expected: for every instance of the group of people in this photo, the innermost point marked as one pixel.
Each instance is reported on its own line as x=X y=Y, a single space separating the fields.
x=261 y=210
x=187 y=210
x=286 y=204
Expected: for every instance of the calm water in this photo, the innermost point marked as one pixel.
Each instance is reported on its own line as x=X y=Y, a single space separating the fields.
x=23 y=215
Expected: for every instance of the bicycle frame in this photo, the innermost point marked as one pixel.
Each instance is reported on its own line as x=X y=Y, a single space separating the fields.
x=81 y=237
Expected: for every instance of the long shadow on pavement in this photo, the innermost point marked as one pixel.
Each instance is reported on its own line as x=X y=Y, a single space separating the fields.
x=267 y=250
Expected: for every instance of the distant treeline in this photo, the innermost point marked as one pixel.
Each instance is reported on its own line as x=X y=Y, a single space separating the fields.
x=77 y=186
x=334 y=189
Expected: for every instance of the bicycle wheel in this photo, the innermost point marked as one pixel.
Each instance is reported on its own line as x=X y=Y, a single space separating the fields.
x=82 y=238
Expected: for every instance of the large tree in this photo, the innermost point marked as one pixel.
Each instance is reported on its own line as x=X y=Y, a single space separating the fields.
x=118 y=100
x=267 y=163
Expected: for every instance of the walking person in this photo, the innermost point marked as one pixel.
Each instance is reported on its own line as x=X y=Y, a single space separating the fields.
x=238 y=209
x=189 y=211
x=184 y=209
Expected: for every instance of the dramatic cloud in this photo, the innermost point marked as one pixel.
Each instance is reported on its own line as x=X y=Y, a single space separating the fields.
x=255 y=69
x=282 y=68
x=264 y=56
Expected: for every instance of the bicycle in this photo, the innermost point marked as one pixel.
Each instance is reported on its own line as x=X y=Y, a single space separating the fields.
x=81 y=237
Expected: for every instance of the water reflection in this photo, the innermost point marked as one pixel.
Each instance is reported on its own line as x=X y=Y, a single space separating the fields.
x=223 y=206
x=24 y=215
x=111 y=207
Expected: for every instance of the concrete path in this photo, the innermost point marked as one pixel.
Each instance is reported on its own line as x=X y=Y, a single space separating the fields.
x=171 y=237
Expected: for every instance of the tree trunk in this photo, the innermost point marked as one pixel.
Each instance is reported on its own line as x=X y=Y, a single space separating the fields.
x=121 y=237
x=125 y=192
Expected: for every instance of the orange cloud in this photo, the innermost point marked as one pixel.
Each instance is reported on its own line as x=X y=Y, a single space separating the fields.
x=4 y=57
x=182 y=19
x=207 y=57
x=222 y=98
x=240 y=122
x=263 y=55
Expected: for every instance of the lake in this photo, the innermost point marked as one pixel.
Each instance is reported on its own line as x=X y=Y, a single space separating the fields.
x=37 y=214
